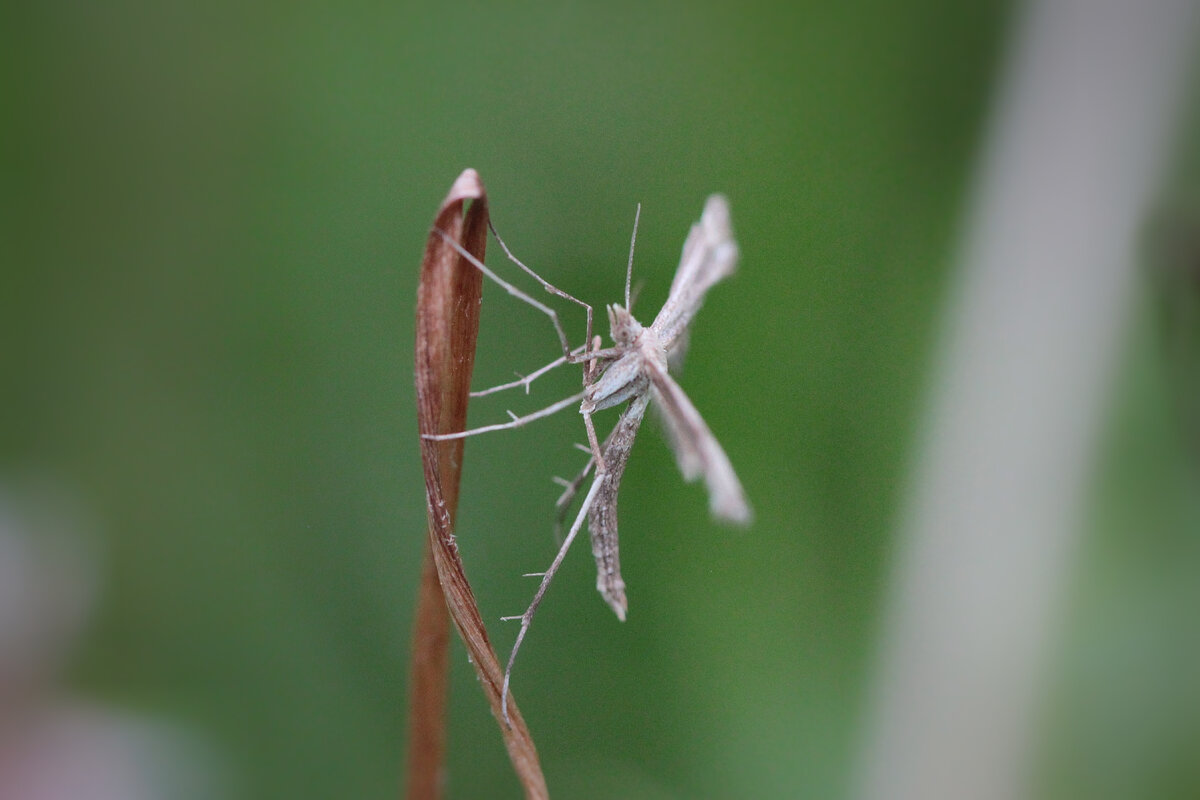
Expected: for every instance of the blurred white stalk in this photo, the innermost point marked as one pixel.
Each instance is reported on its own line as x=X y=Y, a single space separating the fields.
x=1078 y=138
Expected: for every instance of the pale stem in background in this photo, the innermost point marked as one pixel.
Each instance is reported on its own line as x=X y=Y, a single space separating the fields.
x=1076 y=144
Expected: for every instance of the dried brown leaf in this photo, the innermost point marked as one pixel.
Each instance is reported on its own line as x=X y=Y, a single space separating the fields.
x=448 y=299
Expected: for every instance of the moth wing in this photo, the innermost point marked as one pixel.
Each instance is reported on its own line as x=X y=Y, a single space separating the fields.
x=602 y=515
x=710 y=253
x=697 y=450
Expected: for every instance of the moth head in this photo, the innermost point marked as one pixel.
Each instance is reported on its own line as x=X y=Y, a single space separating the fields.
x=625 y=329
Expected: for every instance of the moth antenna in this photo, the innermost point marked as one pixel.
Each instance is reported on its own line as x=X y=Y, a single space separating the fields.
x=637 y=290
x=629 y=269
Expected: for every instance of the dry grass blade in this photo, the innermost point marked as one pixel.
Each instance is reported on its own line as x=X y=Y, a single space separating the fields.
x=447 y=325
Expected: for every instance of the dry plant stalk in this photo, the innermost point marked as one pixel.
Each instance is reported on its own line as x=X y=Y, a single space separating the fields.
x=448 y=300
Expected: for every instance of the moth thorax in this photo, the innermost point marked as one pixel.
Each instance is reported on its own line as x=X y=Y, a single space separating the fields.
x=625 y=329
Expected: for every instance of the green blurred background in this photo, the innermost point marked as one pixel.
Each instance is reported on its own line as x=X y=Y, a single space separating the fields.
x=215 y=215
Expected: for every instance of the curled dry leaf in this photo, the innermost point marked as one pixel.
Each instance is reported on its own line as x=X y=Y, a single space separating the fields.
x=447 y=326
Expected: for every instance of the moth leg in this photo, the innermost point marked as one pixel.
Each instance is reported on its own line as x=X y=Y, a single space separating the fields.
x=602 y=516
x=597 y=456
x=593 y=364
x=527 y=617
x=516 y=421
x=586 y=408
x=545 y=284
x=570 y=490
x=595 y=358
x=525 y=380
x=515 y=292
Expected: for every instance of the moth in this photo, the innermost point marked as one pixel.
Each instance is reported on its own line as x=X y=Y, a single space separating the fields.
x=635 y=371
